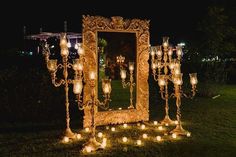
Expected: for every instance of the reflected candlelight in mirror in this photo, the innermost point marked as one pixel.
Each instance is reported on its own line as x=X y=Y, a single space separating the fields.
x=123 y=74
x=131 y=66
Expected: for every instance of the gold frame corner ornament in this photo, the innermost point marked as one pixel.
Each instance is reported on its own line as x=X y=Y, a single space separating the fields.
x=91 y=26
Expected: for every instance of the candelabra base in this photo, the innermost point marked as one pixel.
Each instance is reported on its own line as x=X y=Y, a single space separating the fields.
x=167 y=121
x=131 y=107
x=92 y=145
x=68 y=133
x=179 y=131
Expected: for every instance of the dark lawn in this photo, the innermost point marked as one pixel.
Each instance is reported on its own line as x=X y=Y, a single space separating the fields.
x=212 y=123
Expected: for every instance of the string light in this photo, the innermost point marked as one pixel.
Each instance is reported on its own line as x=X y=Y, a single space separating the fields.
x=166 y=124
x=176 y=122
x=155 y=123
x=125 y=125
x=120 y=108
x=107 y=127
x=142 y=126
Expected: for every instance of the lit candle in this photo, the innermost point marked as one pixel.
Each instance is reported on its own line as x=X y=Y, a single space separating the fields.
x=100 y=134
x=188 y=134
x=174 y=135
x=142 y=126
x=80 y=50
x=124 y=139
x=113 y=129
x=139 y=142
x=158 y=138
x=66 y=139
x=145 y=136
x=78 y=86
x=106 y=89
x=78 y=136
x=179 y=51
x=87 y=129
x=160 y=128
x=155 y=122
x=165 y=41
x=170 y=51
x=123 y=74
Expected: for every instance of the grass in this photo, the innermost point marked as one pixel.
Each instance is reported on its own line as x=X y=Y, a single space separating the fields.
x=212 y=123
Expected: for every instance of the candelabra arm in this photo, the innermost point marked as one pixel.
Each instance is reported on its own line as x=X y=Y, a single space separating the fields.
x=162 y=94
x=54 y=80
x=125 y=84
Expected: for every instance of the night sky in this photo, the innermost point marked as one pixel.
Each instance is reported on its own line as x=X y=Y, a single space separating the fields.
x=177 y=19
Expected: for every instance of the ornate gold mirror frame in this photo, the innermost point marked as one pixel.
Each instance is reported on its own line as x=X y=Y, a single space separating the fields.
x=91 y=26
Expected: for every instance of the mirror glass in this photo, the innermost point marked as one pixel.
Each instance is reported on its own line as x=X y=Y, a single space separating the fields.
x=115 y=51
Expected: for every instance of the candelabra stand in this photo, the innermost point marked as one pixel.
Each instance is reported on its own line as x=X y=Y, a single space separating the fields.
x=178 y=93
x=164 y=62
x=92 y=144
x=130 y=83
x=53 y=67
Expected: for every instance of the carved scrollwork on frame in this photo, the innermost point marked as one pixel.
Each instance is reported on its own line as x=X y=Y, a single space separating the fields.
x=91 y=26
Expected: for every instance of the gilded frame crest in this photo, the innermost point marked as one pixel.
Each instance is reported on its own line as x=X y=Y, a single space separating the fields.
x=91 y=26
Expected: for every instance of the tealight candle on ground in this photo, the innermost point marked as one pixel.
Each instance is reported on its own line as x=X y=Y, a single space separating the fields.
x=78 y=136
x=139 y=142
x=166 y=124
x=155 y=122
x=188 y=134
x=87 y=129
x=174 y=135
x=120 y=108
x=143 y=126
x=113 y=129
x=66 y=139
x=158 y=138
x=88 y=149
x=100 y=134
x=124 y=139
x=107 y=127
x=160 y=128
x=145 y=136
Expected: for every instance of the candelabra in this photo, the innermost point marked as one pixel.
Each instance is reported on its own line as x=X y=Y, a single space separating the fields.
x=120 y=60
x=178 y=93
x=53 y=67
x=92 y=144
x=175 y=76
x=164 y=62
x=130 y=83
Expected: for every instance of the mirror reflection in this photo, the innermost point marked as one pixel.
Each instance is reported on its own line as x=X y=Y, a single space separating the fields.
x=117 y=61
